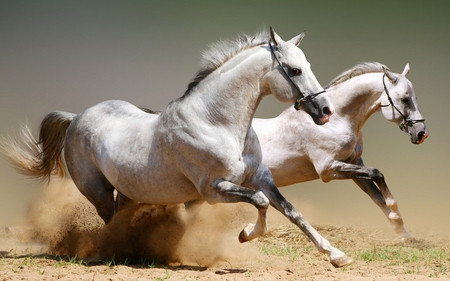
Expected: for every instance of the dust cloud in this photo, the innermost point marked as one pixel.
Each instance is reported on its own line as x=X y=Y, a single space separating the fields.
x=68 y=224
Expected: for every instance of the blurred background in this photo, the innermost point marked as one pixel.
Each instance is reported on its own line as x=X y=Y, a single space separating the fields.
x=70 y=55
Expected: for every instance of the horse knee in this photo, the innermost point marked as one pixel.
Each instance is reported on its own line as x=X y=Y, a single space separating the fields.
x=377 y=175
x=261 y=200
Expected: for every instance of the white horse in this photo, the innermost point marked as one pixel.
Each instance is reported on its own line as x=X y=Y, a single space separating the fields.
x=201 y=147
x=295 y=150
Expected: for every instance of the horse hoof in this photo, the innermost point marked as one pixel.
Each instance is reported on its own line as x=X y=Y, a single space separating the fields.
x=242 y=237
x=408 y=239
x=342 y=261
x=247 y=233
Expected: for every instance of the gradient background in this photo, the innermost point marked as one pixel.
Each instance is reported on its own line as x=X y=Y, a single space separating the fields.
x=69 y=55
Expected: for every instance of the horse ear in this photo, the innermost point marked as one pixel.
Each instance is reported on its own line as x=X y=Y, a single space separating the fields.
x=390 y=75
x=406 y=70
x=297 y=39
x=276 y=40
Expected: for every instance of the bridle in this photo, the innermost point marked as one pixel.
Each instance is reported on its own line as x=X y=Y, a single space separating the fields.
x=406 y=122
x=302 y=97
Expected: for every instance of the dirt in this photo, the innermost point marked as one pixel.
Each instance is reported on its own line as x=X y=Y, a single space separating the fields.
x=62 y=238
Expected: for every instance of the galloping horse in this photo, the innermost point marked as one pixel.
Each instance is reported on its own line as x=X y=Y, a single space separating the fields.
x=296 y=150
x=201 y=146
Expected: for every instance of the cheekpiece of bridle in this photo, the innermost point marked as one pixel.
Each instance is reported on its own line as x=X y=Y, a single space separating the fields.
x=302 y=97
x=406 y=122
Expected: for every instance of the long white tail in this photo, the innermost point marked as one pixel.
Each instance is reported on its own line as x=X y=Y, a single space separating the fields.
x=39 y=158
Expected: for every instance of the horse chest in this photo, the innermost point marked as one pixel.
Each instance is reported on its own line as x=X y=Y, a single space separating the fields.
x=349 y=148
x=342 y=144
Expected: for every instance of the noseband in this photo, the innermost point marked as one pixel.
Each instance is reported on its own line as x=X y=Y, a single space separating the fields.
x=302 y=97
x=406 y=122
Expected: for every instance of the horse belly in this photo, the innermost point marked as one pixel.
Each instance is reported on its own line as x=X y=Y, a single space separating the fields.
x=156 y=187
x=166 y=194
x=296 y=172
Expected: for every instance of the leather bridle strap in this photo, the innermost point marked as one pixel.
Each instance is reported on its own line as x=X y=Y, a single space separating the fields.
x=406 y=122
x=302 y=97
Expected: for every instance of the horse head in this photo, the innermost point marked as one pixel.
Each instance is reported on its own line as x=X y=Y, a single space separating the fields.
x=292 y=80
x=400 y=105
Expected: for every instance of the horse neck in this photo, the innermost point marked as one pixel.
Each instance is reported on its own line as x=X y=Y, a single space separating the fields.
x=358 y=98
x=230 y=95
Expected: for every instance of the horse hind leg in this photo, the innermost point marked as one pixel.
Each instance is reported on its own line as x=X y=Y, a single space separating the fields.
x=101 y=195
x=97 y=189
x=91 y=182
x=122 y=202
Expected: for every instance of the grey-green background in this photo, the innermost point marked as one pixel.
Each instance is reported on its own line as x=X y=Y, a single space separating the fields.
x=69 y=55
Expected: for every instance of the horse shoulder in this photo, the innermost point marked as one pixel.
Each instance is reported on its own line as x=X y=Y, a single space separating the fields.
x=196 y=146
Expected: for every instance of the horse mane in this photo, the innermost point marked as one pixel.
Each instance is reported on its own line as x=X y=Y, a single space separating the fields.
x=358 y=69
x=222 y=51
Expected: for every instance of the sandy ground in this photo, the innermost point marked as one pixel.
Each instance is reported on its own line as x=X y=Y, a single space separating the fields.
x=62 y=232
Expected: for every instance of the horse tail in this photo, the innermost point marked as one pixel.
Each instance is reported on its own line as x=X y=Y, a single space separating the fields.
x=40 y=159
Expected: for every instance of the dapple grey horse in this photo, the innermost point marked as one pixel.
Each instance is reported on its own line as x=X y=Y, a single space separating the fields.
x=296 y=150
x=201 y=146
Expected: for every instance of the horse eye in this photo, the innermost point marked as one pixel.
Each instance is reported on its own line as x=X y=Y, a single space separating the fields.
x=405 y=100
x=296 y=71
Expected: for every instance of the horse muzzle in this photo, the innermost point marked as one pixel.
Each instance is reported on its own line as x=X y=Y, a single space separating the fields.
x=418 y=136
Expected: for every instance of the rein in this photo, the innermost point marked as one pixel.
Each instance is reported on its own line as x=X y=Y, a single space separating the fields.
x=302 y=97
x=406 y=122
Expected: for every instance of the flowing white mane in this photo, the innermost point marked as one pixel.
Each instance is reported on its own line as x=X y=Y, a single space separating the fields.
x=359 y=69
x=220 y=52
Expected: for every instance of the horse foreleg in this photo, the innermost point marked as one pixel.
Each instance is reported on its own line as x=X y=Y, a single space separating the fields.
x=342 y=170
x=265 y=183
x=374 y=193
x=227 y=192
x=390 y=201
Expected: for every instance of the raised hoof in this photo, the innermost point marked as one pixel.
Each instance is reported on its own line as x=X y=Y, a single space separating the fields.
x=341 y=262
x=247 y=233
x=242 y=237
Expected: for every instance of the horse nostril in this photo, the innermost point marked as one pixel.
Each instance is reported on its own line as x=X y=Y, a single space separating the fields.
x=420 y=135
x=327 y=111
